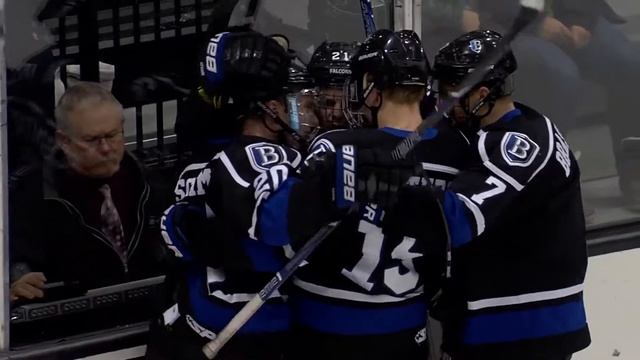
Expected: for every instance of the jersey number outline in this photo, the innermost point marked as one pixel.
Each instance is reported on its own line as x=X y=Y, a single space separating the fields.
x=371 y=252
x=499 y=188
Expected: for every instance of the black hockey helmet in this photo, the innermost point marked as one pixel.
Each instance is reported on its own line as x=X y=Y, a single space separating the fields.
x=299 y=77
x=330 y=67
x=249 y=69
x=387 y=59
x=392 y=59
x=461 y=56
x=330 y=64
x=246 y=66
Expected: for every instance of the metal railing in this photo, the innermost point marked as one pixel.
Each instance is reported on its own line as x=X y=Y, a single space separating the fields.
x=95 y=31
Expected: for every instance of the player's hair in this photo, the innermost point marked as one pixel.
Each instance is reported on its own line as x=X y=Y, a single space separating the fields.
x=404 y=95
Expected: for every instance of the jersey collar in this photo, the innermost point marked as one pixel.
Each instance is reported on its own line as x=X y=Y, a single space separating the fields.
x=426 y=135
x=510 y=115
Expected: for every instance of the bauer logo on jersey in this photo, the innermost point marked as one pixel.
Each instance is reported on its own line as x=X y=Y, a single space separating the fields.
x=263 y=156
x=518 y=149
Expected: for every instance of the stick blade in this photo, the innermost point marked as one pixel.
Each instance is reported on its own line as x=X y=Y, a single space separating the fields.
x=537 y=5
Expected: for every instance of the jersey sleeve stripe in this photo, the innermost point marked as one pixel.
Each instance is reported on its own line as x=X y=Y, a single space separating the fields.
x=440 y=168
x=464 y=137
x=525 y=298
x=352 y=295
x=217 y=276
x=232 y=171
x=522 y=325
x=254 y=216
x=477 y=213
x=321 y=138
x=494 y=169
x=549 y=152
x=297 y=160
x=194 y=166
x=336 y=318
x=171 y=235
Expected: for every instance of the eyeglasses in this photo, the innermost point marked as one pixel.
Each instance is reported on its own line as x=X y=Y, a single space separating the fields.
x=111 y=138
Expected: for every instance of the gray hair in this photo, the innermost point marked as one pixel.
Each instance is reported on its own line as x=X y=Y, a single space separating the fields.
x=81 y=93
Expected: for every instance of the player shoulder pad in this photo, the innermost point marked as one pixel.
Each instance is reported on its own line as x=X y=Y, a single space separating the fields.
x=516 y=156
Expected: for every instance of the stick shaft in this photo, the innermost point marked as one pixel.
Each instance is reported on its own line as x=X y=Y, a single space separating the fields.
x=367 y=17
x=212 y=348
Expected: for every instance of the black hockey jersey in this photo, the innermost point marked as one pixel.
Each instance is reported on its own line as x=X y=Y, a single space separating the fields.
x=376 y=273
x=519 y=251
x=226 y=264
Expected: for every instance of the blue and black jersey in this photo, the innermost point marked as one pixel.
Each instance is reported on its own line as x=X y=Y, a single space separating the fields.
x=519 y=252
x=210 y=229
x=377 y=272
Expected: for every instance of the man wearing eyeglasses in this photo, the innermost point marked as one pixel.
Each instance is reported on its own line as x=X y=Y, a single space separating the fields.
x=93 y=226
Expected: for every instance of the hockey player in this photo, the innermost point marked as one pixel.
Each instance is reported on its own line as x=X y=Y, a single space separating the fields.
x=210 y=229
x=330 y=67
x=516 y=222
x=300 y=100
x=365 y=292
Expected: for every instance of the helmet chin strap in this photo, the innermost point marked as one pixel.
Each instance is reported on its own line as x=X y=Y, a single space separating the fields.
x=285 y=128
x=473 y=114
x=374 y=109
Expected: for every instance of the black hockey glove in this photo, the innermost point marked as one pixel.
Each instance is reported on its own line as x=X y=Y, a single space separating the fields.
x=371 y=175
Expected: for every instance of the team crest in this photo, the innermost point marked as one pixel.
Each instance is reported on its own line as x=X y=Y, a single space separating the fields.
x=475 y=46
x=263 y=156
x=518 y=149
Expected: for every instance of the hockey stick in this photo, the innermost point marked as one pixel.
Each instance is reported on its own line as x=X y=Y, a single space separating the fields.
x=529 y=11
x=367 y=17
x=212 y=348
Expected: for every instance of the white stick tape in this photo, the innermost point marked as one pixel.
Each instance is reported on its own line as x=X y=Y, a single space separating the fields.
x=533 y=4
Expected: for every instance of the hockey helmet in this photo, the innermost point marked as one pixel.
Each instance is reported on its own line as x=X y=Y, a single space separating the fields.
x=330 y=64
x=246 y=66
x=391 y=59
x=461 y=56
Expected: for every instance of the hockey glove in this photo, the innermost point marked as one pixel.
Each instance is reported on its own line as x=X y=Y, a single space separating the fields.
x=186 y=231
x=371 y=175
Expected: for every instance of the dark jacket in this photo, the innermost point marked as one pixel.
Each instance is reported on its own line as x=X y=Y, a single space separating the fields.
x=61 y=244
x=499 y=14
